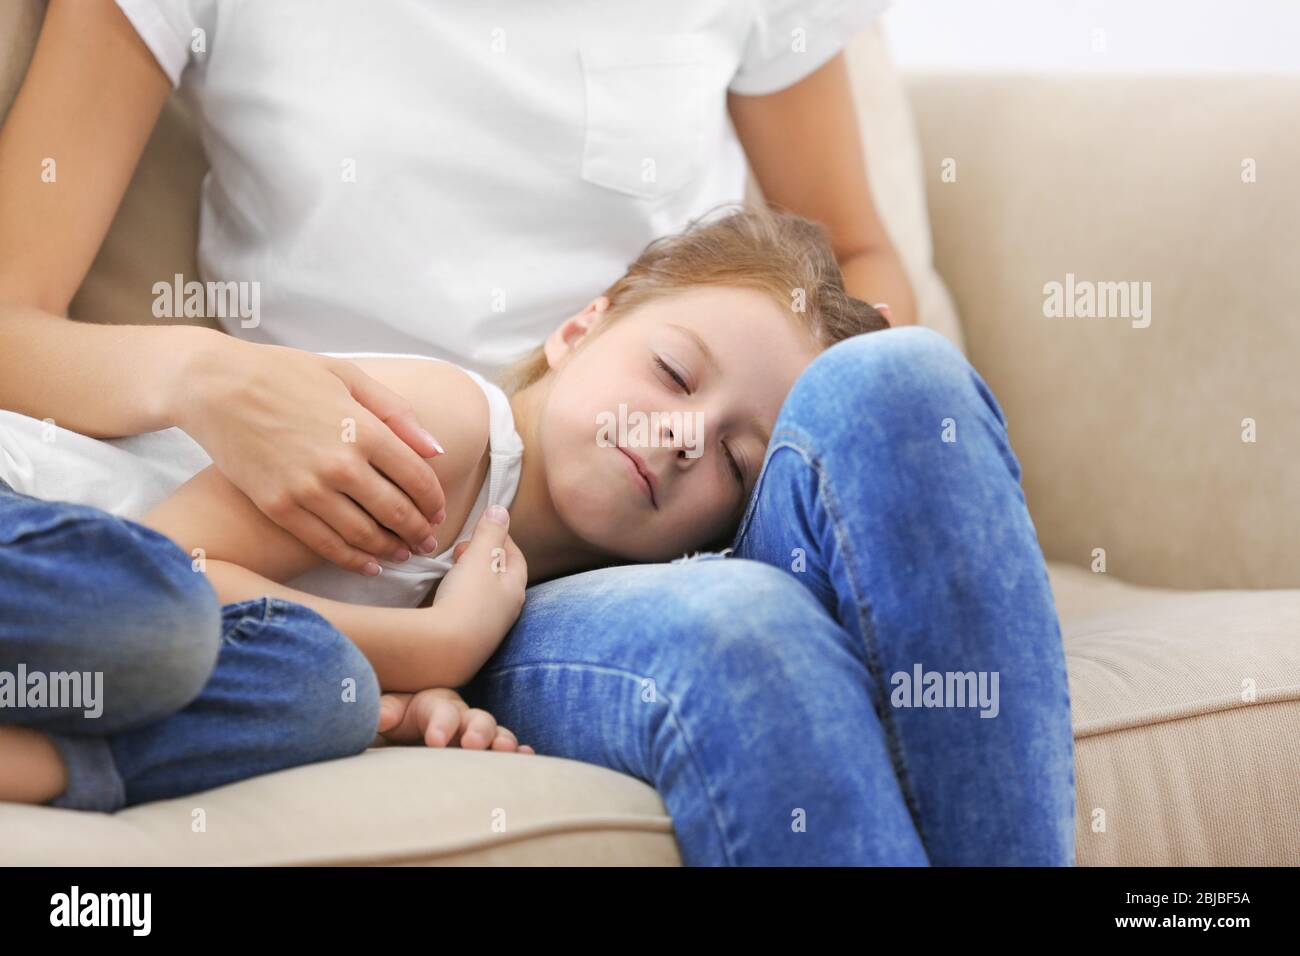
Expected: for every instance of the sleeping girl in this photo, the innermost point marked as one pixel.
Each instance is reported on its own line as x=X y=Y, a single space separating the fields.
x=703 y=337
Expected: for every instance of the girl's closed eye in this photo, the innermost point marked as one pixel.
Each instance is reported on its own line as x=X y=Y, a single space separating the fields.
x=735 y=467
x=732 y=463
x=673 y=373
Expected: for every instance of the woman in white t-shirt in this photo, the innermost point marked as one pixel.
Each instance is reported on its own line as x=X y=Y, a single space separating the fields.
x=452 y=181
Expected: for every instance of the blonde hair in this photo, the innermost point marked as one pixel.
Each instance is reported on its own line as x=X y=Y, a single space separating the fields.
x=770 y=250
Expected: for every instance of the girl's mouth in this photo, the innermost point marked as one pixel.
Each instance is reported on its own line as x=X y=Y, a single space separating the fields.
x=640 y=474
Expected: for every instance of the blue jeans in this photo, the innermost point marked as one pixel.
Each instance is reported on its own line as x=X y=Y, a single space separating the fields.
x=771 y=696
x=191 y=695
x=764 y=694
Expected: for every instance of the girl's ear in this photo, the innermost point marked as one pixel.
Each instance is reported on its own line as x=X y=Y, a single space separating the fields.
x=561 y=343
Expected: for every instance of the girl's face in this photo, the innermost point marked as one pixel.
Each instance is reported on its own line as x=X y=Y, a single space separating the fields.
x=684 y=390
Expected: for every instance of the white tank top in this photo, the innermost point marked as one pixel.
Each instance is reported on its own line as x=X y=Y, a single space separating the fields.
x=128 y=476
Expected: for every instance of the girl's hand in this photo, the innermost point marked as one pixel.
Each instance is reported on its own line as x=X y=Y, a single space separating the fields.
x=325 y=451
x=483 y=593
x=441 y=718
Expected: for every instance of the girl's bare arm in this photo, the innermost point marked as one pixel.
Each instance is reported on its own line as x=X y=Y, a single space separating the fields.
x=409 y=648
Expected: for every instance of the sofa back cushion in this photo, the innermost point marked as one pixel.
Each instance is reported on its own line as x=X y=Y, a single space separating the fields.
x=1131 y=437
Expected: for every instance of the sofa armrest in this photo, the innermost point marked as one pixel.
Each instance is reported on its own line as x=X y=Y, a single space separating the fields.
x=1131 y=437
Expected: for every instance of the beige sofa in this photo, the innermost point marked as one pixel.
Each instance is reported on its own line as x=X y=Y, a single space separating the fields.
x=1184 y=653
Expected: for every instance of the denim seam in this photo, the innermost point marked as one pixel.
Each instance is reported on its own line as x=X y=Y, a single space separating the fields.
x=247 y=619
x=790 y=438
x=672 y=713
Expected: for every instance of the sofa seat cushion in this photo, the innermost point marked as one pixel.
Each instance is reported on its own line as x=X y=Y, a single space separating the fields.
x=1179 y=768
x=1186 y=715
x=399 y=806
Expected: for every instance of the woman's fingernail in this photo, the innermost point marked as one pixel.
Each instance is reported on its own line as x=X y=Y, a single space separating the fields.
x=432 y=441
x=402 y=555
x=498 y=514
x=430 y=544
x=440 y=517
x=372 y=569
x=439 y=738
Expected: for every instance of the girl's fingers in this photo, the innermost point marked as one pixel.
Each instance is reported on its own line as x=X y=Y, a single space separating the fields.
x=448 y=693
x=440 y=715
x=392 y=708
x=443 y=720
x=478 y=729
x=507 y=742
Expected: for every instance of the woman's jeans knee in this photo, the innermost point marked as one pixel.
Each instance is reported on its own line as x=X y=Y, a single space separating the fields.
x=891 y=491
x=758 y=694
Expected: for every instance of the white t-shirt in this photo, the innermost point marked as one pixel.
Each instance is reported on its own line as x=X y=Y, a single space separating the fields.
x=456 y=179
x=127 y=477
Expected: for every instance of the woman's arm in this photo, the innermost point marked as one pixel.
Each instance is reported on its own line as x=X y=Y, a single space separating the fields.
x=804 y=147
x=81 y=120
x=89 y=101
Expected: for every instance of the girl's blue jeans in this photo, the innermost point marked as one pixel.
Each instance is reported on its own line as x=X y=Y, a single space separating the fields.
x=875 y=675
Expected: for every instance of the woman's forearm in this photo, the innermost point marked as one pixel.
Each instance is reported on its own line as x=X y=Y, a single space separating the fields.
x=877 y=276
x=409 y=648
x=104 y=381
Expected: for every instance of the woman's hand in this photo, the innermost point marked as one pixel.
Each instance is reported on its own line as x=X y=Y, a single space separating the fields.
x=325 y=451
x=441 y=718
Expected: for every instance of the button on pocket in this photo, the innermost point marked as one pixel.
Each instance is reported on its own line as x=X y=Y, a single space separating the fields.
x=646 y=100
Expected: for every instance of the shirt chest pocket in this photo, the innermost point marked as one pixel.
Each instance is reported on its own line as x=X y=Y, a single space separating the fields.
x=646 y=116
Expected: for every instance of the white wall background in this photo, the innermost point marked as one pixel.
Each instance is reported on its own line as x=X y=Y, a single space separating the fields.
x=1164 y=36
